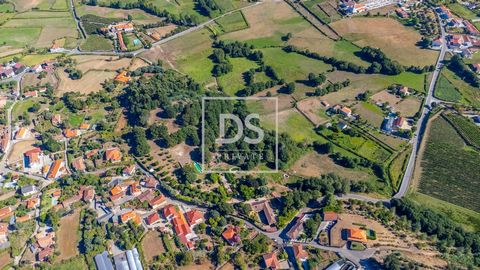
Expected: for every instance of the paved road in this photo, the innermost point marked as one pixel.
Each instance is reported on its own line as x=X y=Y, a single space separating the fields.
x=422 y=122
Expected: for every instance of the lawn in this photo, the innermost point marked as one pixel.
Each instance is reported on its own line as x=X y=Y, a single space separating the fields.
x=77 y=263
x=22 y=106
x=233 y=81
x=449 y=169
x=96 y=43
x=445 y=90
x=292 y=66
x=198 y=66
x=233 y=22
x=370 y=112
x=75 y=120
x=469 y=219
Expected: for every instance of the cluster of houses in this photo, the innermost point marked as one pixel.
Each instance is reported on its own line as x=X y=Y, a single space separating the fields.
x=10 y=69
x=116 y=31
x=338 y=109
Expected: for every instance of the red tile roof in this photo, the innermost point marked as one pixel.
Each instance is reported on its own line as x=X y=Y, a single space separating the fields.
x=152 y=218
x=330 y=216
x=193 y=216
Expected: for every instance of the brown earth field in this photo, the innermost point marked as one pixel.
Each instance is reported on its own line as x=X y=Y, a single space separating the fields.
x=67 y=236
x=310 y=107
x=89 y=83
x=314 y=165
x=5 y=259
x=406 y=107
x=18 y=149
x=394 y=39
x=152 y=245
x=94 y=62
x=31 y=79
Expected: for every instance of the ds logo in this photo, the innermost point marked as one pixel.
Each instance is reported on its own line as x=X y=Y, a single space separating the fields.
x=238 y=122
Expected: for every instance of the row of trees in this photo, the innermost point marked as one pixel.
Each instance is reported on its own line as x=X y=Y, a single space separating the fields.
x=333 y=87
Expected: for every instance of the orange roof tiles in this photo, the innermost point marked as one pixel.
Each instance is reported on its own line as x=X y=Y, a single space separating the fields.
x=32 y=203
x=70 y=133
x=358 y=235
x=193 y=216
x=152 y=218
x=131 y=216
x=55 y=169
x=45 y=240
x=299 y=252
x=330 y=216
x=157 y=201
x=270 y=260
x=5 y=212
x=33 y=155
x=113 y=154
x=122 y=77
x=84 y=126
x=116 y=190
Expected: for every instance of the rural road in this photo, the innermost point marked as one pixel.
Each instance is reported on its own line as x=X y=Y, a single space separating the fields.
x=422 y=122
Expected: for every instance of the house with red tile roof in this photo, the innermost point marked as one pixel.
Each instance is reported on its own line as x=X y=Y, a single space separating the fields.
x=152 y=219
x=70 y=133
x=32 y=158
x=157 y=201
x=129 y=170
x=232 y=235
x=33 y=202
x=79 y=164
x=263 y=207
x=43 y=254
x=147 y=195
x=57 y=169
x=5 y=212
x=150 y=182
x=45 y=240
x=88 y=194
x=270 y=261
x=299 y=253
x=113 y=155
x=180 y=225
x=357 y=235
x=194 y=217
x=131 y=216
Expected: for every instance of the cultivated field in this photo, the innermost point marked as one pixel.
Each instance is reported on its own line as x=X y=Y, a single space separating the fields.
x=396 y=40
x=138 y=16
x=314 y=110
x=67 y=236
x=369 y=112
x=97 y=62
x=31 y=79
x=315 y=165
x=407 y=107
x=447 y=178
x=89 y=83
x=445 y=90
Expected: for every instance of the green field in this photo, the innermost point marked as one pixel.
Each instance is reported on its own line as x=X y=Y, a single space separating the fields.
x=233 y=22
x=462 y=11
x=34 y=59
x=22 y=106
x=470 y=94
x=233 y=81
x=19 y=37
x=449 y=168
x=445 y=90
x=469 y=219
x=397 y=167
x=37 y=28
x=198 y=66
x=469 y=131
x=360 y=145
x=292 y=66
x=6 y=7
x=96 y=43
x=77 y=263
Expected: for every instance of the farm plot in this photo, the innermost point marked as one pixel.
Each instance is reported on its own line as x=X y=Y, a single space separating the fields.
x=97 y=62
x=31 y=79
x=314 y=165
x=360 y=145
x=469 y=131
x=152 y=245
x=293 y=123
x=470 y=94
x=359 y=83
x=369 y=112
x=268 y=23
x=138 y=16
x=233 y=22
x=68 y=236
x=449 y=170
x=396 y=40
x=52 y=26
x=233 y=81
x=96 y=43
x=89 y=83
x=445 y=90
x=292 y=66
x=313 y=109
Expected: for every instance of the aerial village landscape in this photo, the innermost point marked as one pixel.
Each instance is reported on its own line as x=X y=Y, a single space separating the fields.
x=109 y=158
